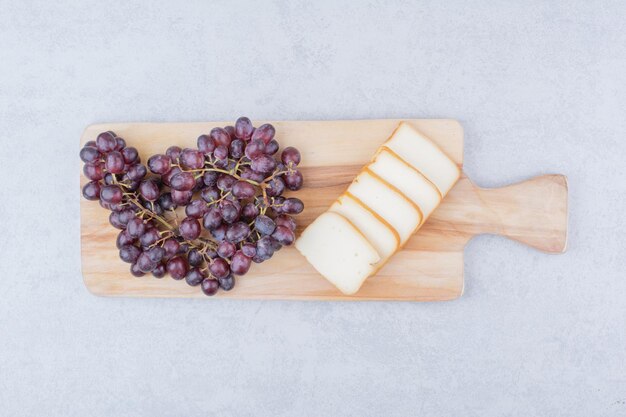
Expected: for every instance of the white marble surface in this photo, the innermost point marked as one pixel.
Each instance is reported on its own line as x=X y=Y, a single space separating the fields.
x=540 y=87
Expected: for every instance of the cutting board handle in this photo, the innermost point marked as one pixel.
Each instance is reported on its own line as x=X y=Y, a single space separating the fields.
x=533 y=212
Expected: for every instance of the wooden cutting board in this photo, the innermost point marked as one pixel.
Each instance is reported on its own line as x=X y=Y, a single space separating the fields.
x=429 y=268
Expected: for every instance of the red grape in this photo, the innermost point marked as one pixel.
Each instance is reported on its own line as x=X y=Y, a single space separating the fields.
x=249 y=249
x=94 y=170
x=264 y=164
x=192 y=159
x=149 y=190
x=195 y=258
x=159 y=164
x=227 y=283
x=272 y=147
x=159 y=271
x=237 y=148
x=171 y=247
x=264 y=132
x=221 y=152
x=91 y=190
x=293 y=180
x=206 y=144
x=111 y=194
x=177 y=267
x=275 y=187
x=243 y=190
x=225 y=182
x=292 y=206
x=290 y=156
x=284 y=235
x=219 y=233
x=137 y=172
x=149 y=237
x=134 y=269
x=135 y=227
x=226 y=249
x=243 y=128
x=190 y=228
x=90 y=154
x=264 y=225
x=220 y=136
x=130 y=154
x=237 y=232
x=105 y=142
x=287 y=221
x=129 y=253
x=123 y=239
x=255 y=148
x=209 y=286
x=195 y=277
x=219 y=268
x=196 y=209
x=183 y=181
x=144 y=263
x=240 y=263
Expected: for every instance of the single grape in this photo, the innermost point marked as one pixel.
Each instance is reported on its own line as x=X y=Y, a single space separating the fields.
x=212 y=218
x=254 y=149
x=210 y=194
x=293 y=180
x=226 y=249
x=286 y=221
x=290 y=156
x=220 y=136
x=120 y=143
x=173 y=152
x=90 y=143
x=219 y=233
x=90 y=154
x=276 y=245
x=137 y=172
x=206 y=144
x=209 y=286
x=243 y=189
x=94 y=170
x=192 y=159
x=129 y=253
x=284 y=235
x=264 y=164
x=210 y=178
x=227 y=283
x=292 y=206
x=237 y=232
x=144 y=263
x=156 y=254
x=195 y=277
x=114 y=219
x=177 y=267
x=171 y=247
x=105 y=142
x=265 y=132
x=190 y=228
x=230 y=211
x=219 y=268
x=183 y=181
x=243 y=128
x=114 y=162
x=110 y=206
x=159 y=271
x=249 y=212
x=130 y=155
x=149 y=190
x=237 y=148
x=196 y=209
x=111 y=194
x=240 y=264
x=264 y=249
x=275 y=187
x=109 y=179
x=135 y=228
x=123 y=239
x=195 y=258
x=225 y=182
x=149 y=237
x=166 y=201
x=249 y=249
x=91 y=190
x=264 y=225
x=159 y=164
x=134 y=269
x=221 y=152
x=272 y=147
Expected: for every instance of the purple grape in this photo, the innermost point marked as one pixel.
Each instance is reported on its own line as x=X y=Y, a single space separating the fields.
x=173 y=152
x=144 y=263
x=149 y=237
x=195 y=276
x=130 y=154
x=225 y=182
x=120 y=144
x=190 y=228
x=123 y=239
x=90 y=154
x=227 y=283
x=134 y=269
x=129 y=253
x=111 y=194
x=265 y=132
x=105 y=142
x=210 y=194
x=272 y=147
x=206 y=144
x=255 y=148
x=264 y=164
x=136 y=172
x=149 y=190
x=264 y=225
x=210 y=178
x=159 y=271
x=177 y=267
x=212 y=219
x=159 y=164
x=221 y=152
x=114 y=219
x=166 y=201
x=237 y=148
x=243 y=128
x=135 y=228
x=240 y=263
x=237 y=232
x=220 y=136
x=226 y=249
x=287 y=221
x=293 y=180
x=243 y=189
x=249 y=212
x=171 y=247
x=94 y=170
x=196 y=209
x=231 y=131
x=292 y=206
x=290 y=156
x=183 y=181
x=249 y=174
x=284 y=235
x=219 y=268
x=91 y=190
x=194 y=257
x=249 y=249
x=275 y=187
x=167 y=177
x=192 y=159
x=219 y=233
x=209 y=286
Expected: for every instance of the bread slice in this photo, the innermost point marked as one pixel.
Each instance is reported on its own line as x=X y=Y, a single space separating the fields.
x=375 y=229
x=405 y=178
x=390 y=204
x=426 y=157
x=338 y=251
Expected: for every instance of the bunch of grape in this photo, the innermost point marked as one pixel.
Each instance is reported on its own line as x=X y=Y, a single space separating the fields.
x=231 y=188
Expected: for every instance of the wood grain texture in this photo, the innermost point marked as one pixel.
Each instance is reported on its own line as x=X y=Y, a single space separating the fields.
x=430 y=266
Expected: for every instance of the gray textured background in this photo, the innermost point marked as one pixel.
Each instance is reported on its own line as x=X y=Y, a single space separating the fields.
x=540 y=87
